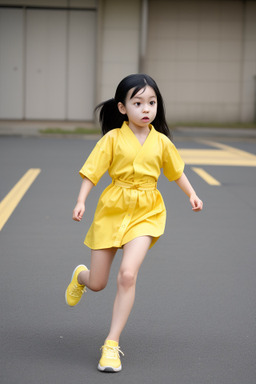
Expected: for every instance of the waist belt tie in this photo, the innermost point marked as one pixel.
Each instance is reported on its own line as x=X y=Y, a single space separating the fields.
x=131 y=204
x=147 y=186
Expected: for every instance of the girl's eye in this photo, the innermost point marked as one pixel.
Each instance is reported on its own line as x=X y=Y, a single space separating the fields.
x=137 y=104
x=152 y=102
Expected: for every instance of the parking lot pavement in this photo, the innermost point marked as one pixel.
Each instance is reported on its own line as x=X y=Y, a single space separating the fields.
x=194 y=316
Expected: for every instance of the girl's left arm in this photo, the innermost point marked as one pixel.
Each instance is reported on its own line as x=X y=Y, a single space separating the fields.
x=184 y=184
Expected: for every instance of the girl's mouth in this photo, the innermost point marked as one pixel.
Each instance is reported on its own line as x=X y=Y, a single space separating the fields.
x=145 y=118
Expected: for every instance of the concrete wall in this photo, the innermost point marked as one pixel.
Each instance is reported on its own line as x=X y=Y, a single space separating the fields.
x=202 y=54
x=118 y=39
x=47 y=63
x=12 y=67
x=52 y=3
x=248 y=78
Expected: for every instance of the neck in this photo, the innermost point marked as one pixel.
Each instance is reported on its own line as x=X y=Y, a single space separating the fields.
x=139 y=130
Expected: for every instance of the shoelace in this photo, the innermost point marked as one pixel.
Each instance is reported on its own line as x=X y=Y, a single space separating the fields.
x=77 y=290
x=111 y=352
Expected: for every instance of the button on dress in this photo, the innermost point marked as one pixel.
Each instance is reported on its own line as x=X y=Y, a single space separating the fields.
x=131 y=206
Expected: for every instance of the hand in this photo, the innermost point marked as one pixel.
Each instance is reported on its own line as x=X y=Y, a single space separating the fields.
x=78 y=211
x=197 y=204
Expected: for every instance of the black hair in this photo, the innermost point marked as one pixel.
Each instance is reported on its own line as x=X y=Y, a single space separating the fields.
x=111 y=118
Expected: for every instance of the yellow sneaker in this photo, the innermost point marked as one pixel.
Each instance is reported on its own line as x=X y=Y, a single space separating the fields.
x=110 y=359
x=75 y=291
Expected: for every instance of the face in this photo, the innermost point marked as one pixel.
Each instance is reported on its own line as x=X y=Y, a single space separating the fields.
x=141 y=109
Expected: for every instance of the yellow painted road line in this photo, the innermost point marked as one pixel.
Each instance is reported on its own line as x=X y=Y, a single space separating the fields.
x=224 y=155
x=231 y=150
x=10 y=202
x=206 y=176
x=216 y=157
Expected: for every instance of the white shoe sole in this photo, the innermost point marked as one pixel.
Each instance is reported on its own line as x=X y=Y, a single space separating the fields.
x=109 y=369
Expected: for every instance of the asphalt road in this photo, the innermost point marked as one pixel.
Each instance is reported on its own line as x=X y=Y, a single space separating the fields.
x=194 y=319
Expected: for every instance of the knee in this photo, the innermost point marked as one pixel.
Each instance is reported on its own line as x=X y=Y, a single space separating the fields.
x=126 y=279
x=96 y=287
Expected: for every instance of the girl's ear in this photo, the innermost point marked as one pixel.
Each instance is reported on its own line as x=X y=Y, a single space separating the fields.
x=121 y=108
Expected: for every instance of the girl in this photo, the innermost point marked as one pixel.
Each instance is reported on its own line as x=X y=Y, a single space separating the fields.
x=130 y=213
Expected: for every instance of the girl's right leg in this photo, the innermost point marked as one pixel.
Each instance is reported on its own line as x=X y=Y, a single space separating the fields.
x=97 y=277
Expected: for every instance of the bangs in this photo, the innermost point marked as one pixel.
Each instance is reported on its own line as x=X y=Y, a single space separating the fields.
x=143 y=85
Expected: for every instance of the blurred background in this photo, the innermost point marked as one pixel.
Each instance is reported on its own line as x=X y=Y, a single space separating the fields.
x=59 y=58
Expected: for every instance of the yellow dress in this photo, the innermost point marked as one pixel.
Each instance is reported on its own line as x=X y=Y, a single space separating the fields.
x=131 y=206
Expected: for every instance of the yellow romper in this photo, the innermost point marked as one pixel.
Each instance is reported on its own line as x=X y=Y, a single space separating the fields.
x=131 y=206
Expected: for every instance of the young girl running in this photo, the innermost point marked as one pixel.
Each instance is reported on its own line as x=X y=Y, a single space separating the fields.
x=130 y=213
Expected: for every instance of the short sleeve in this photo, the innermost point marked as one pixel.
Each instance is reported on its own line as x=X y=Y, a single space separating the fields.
x=173 y=165
x=99 y=159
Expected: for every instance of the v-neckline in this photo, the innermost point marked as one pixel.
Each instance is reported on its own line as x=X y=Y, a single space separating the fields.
x=132 y=134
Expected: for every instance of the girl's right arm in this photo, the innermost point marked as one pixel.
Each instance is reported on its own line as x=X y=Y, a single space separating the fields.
x=79 y=209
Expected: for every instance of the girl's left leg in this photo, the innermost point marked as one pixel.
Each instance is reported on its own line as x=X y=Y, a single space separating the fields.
x=134 y=253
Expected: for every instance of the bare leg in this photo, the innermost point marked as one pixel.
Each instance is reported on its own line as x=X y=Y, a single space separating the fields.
x=133 y=256
x=97 y=277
